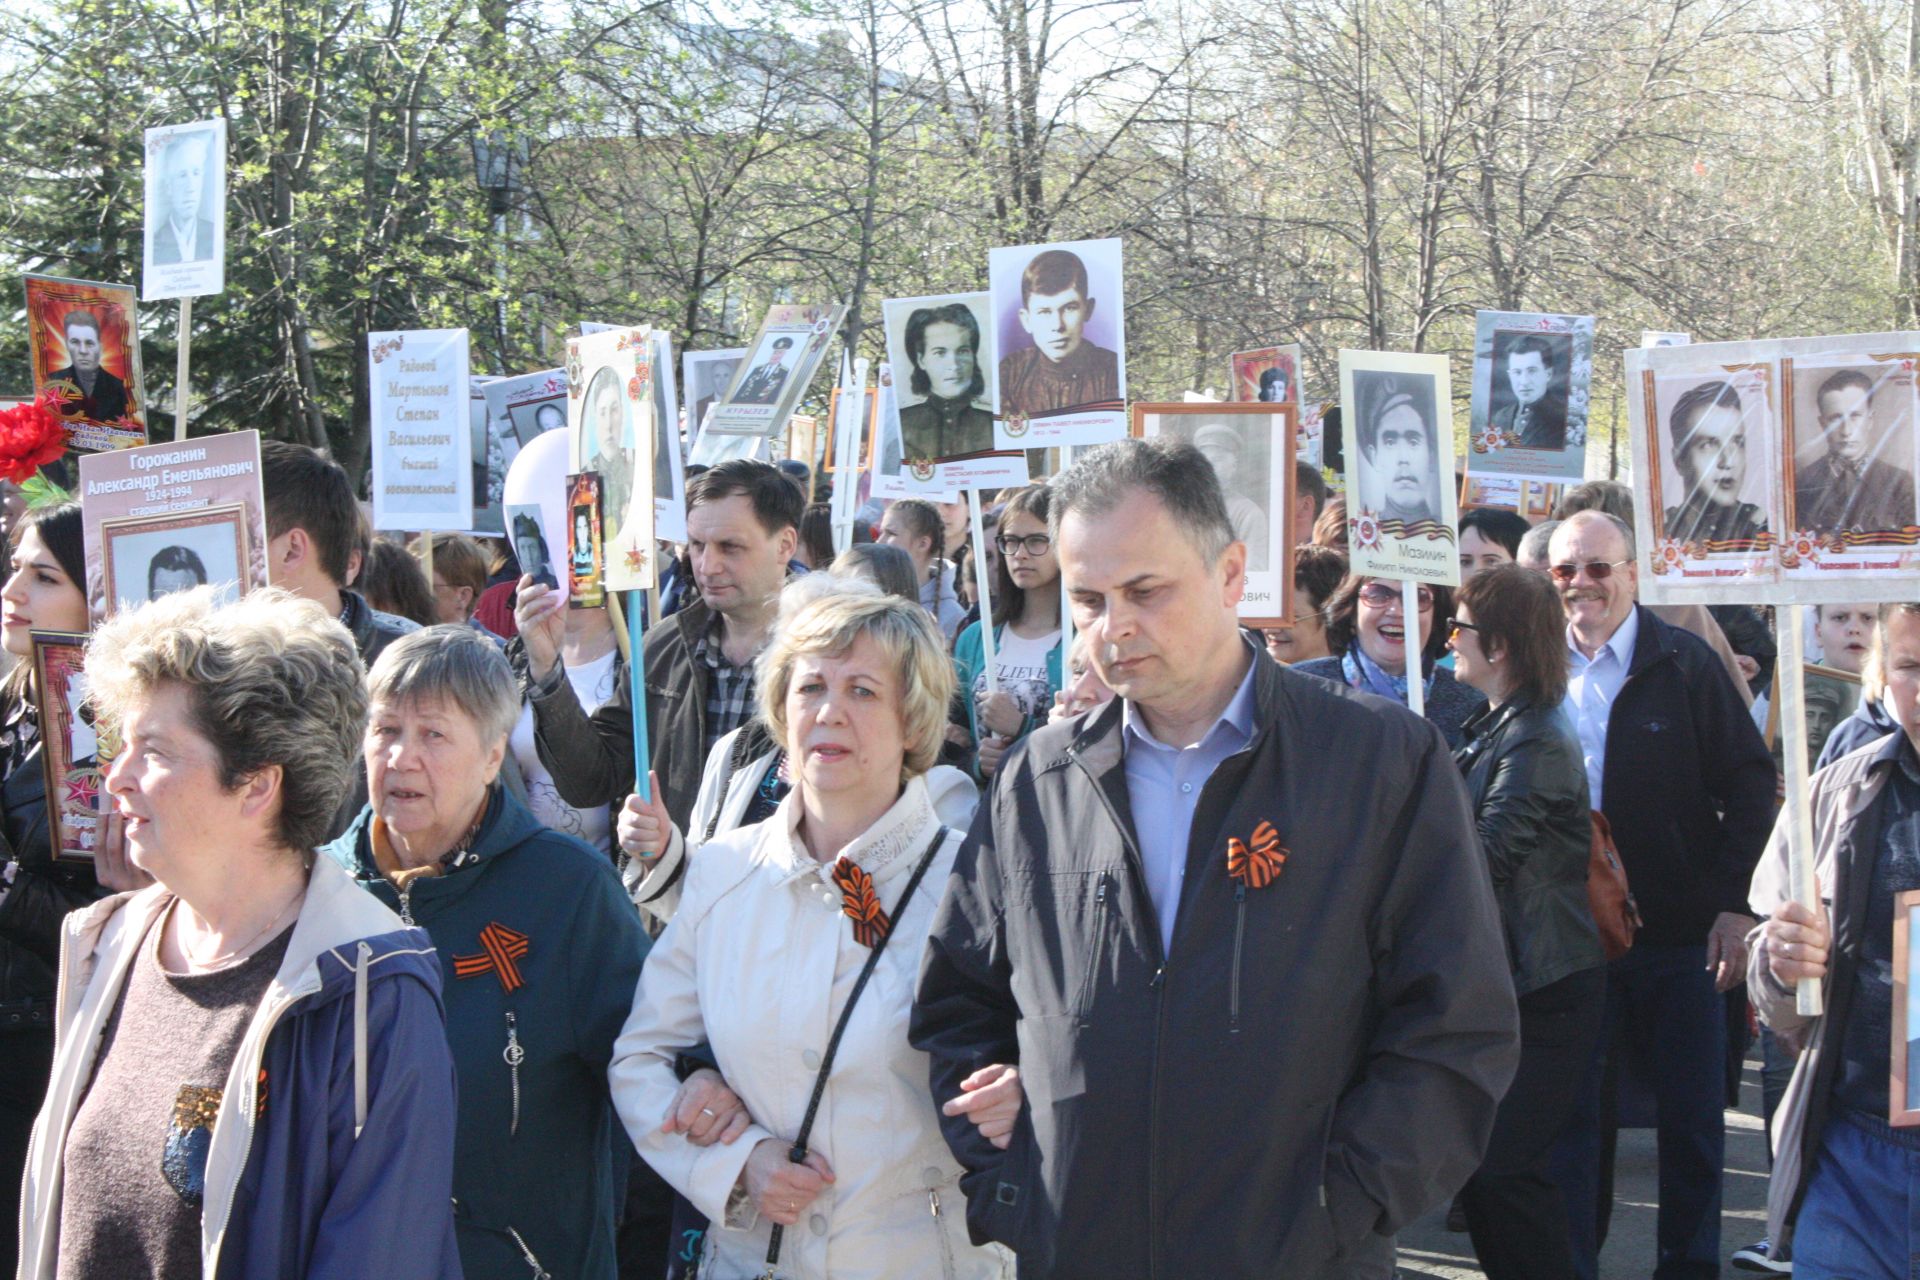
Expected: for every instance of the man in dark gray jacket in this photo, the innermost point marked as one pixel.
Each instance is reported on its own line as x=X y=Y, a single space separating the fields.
x=1232 y=930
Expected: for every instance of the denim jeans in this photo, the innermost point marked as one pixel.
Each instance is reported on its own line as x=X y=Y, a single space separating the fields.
x=1661 y=1009
x=1858 y=1215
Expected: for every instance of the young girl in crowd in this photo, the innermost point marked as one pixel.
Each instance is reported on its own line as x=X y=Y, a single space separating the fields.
x=42 y=593
x=915 y=527
x=1026 y=623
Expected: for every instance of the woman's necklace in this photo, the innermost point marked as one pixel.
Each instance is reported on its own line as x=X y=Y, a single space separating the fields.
x=285 y=913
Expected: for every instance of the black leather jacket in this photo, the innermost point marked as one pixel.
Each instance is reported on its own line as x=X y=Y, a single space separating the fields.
x=42 y=894
x=1528 y=787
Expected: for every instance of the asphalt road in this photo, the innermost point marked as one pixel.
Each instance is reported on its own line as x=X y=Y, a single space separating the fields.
x=1429 y=1252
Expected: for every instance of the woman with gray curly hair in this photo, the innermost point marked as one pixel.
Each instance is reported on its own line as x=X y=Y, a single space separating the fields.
x=539 y=949
x=792 y=956
x=253 y=1076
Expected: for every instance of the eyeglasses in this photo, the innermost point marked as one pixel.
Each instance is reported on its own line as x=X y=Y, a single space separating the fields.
x=1457 y=626
x=1034 y=544
x=1380 y=595
x=1598 y=570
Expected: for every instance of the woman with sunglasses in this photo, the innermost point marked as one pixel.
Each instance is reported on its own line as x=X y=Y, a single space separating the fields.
x=1026 y=635
x=1368 y=643
x=1528 y=786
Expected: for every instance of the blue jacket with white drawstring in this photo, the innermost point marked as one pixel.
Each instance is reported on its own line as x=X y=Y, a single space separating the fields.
x=332 y=1155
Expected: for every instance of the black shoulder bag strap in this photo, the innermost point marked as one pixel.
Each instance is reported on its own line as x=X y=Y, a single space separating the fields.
x=798 y=1154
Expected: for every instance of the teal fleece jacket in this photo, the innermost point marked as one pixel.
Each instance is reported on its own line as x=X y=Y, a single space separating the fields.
x=537 y=946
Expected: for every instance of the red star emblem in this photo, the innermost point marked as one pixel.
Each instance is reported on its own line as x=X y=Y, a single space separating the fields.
x=636 y=559
x=83 y=789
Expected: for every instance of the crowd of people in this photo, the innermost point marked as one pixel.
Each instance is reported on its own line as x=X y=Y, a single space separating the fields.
x=920 y=939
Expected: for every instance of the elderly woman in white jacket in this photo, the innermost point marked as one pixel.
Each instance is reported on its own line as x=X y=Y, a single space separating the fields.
x=793 y=954
x=745 y=778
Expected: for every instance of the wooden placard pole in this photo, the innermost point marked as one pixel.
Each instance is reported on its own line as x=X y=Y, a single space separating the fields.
x=426 y=560
x=1790 y=623
x=1416 y=644
x=846 y=452
x=182 y=388
x=1066 y=613
x=980 y=579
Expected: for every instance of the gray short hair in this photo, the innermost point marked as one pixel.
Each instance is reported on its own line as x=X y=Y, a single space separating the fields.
x=271 y=680
x=1533 y=544
x=1173 y=471
x=1592 y=515
x=453 y=664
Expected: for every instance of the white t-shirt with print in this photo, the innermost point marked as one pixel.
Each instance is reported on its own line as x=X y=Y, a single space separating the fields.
x=1020 y=665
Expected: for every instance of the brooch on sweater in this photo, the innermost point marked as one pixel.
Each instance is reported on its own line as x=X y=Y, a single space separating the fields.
x=860 y=904
x=1258 y=865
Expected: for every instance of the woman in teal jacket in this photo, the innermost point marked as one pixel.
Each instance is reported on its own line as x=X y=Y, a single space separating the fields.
x=1026 y=635
x=539 y=949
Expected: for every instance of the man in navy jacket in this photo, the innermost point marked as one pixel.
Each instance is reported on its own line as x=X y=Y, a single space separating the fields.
x=1675 y=763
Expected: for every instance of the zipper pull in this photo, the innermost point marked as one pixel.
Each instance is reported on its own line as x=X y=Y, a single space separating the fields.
x=933 y=1199
x=1159 y=978
x=514 y=1055
x=406 y=906
x=1240 y=892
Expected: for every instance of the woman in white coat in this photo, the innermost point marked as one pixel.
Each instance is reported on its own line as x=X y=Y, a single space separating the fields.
x=746 y=776
x=793 y=954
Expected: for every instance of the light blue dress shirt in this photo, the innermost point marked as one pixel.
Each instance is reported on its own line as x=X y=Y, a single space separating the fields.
x=1163 y=787
x=1592 y=687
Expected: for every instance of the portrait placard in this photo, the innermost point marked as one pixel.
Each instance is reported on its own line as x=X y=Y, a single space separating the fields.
x=69 y=746
x=1709 y=467
x=869 y=405
x=710 y=449
x=146 y=557
x=536 y=489
x=1269 y=375
x=1060 y=340
x=704 y=378
x=670 y=468
x=1398 y=442
x=186 y=223
x=1903 y=1092
x=517 y=409
x=610 y=418
x=1311 y=438
x=936 y=403
x=1532 y=375
x=83 y=345
x=422 y=429
x=768 y=383
x=527 y=526
x=1847 y=422
x=892 y=480
x=1831 y=696
x=1247 y=447
x=169 y=516
x=585 y=549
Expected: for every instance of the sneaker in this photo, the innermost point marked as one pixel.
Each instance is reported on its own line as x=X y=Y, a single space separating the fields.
x=1759 y=1257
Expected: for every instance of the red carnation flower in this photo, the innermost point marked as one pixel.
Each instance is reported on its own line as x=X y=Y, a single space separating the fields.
x=31 y=435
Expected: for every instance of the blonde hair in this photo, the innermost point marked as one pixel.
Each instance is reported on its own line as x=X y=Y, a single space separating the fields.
x=821 y=614
x=271 y=679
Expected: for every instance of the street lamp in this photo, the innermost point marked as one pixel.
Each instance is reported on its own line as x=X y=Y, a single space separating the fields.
x=499 y=168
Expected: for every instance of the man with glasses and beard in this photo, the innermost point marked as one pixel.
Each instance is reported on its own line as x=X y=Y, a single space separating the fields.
x=1709 y=433
x=1852 y=486
x=1675 y=763
x=943 y=346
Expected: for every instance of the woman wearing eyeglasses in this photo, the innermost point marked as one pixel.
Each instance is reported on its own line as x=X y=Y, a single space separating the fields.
x=1367 y=635
x=1528 y=785
x=1026 y=635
